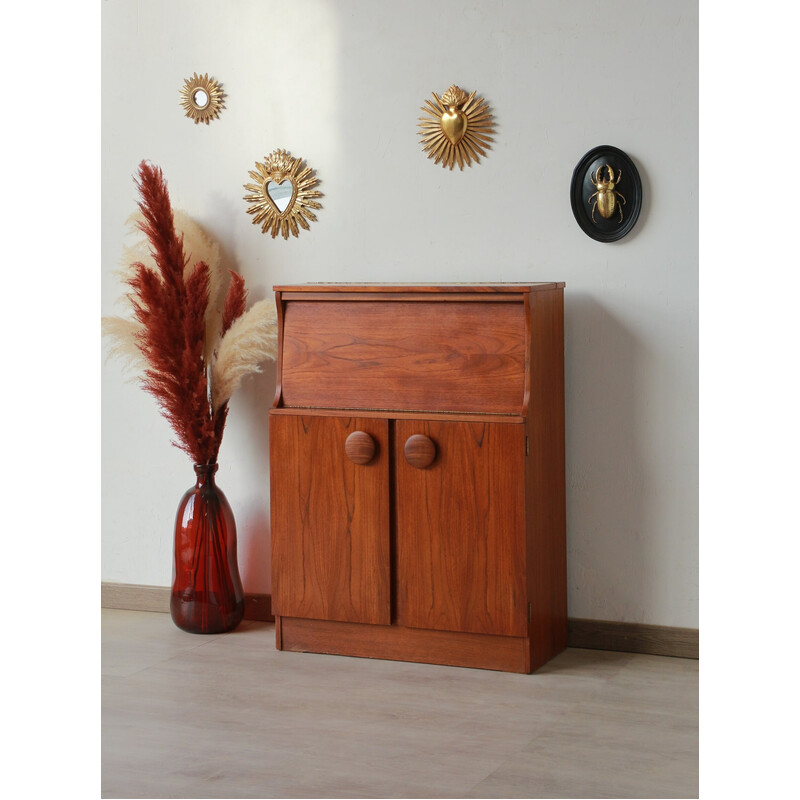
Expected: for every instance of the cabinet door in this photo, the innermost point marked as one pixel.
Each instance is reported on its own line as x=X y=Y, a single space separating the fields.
x=330 y=519
x=461 y=528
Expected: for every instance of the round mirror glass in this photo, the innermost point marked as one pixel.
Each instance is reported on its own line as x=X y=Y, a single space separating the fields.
x=200 y=98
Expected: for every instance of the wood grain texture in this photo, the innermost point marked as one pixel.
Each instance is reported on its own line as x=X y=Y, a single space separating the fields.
x=359 y=447
x=419 y=451
x=330 y=520
x=406 y=356
x=396 y=643
x=545 y=480
x=460 y=530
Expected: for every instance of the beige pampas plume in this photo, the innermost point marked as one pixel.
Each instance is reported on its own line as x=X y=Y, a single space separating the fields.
x=197 y=245
x=122 y=335
x=250 y=339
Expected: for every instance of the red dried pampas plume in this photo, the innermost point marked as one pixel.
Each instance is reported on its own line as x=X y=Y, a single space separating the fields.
x=196 y=348
x=171 y=310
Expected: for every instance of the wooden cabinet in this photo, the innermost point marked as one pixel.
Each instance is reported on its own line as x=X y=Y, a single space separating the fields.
x=417 y=473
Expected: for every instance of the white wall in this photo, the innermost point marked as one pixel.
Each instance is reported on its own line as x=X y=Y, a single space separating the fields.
x=340 y=84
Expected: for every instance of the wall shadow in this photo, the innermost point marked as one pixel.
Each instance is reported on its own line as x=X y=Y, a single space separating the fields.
x=606 y=476
x=254 y=400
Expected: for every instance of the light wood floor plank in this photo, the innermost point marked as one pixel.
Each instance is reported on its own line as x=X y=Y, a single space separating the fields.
x=230 y=716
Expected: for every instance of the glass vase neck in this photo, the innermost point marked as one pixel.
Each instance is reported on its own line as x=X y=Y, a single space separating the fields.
x=205 y=473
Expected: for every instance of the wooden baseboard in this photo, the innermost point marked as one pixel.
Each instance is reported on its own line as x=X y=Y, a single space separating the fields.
x=134 y=597
x=633 y=637
x=594 y=634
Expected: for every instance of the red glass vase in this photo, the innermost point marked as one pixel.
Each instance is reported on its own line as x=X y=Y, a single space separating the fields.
x=207 y=594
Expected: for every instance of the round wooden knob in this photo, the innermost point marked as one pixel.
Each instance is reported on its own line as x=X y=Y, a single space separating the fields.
x=420 y=451
x=359 y=447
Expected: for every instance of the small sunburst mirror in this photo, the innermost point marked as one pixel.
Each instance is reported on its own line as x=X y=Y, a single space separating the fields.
x=457 y=129
x=202 y=98
x=282 y=194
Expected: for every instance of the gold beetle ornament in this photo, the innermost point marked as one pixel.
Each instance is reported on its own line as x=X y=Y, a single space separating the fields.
x=594 y=188
x=607 y=196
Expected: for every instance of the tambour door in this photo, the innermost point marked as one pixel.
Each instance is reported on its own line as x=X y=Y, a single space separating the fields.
x=410 y=352
x=460 y=526
x=329 y=483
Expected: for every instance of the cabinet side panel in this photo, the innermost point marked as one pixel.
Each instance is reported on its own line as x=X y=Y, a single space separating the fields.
x=330 y=520
x=276 y=403
x=460 y=530
x=404 y=356
x=546 y=501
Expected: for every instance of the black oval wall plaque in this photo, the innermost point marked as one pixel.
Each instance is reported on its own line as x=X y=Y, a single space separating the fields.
x=583 y=193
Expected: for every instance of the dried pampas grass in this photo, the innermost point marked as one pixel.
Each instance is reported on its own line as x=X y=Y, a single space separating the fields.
x=190 y=329
x=123 y=334
x=198 y=246
x=250 y=339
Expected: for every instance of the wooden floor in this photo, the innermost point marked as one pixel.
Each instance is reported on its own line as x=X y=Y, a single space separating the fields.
x=229 y=716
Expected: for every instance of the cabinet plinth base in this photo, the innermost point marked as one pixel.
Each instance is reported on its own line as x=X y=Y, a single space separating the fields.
x=395 y=643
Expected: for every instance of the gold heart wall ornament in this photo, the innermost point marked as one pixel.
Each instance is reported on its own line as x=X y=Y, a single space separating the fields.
x=457 y=129
x=282 y=194
x=454 y=124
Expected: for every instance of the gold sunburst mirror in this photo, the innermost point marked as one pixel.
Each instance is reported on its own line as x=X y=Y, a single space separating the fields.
x=202 y=98
x=282 y=195
x=457 y=129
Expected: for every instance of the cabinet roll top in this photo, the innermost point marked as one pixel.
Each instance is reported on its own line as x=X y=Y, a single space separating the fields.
x=412 y=353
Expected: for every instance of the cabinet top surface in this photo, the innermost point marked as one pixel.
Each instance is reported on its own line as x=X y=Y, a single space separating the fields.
x=492 y=288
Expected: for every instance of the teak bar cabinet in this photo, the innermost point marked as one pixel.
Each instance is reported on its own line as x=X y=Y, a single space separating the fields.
x=417 y=473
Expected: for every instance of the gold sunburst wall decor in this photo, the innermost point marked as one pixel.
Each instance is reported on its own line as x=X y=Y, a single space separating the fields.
x=457 y=129
x=282 y=195
x=202 y=98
